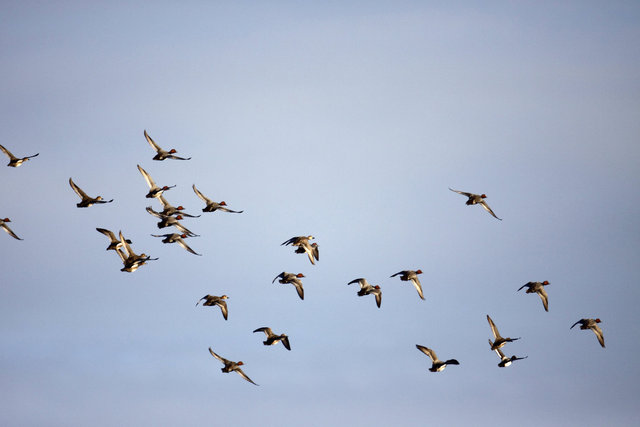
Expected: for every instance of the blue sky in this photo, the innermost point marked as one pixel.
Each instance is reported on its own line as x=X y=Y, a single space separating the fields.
x=347 y=122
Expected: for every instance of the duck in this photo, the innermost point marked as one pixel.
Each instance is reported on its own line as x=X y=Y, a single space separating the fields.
x=212 y=300
x=412 y=275
x=477 y=199
x=311 y=250
x=538 y=288
x=130 y=259
x=593 y=325
x=168 y=221
x=154 y=190
x=3 y=225
x=168 y=210
x=230 y=366
x=114 y=242
x=437 y=365
x=499 y=341
x=176 y=238
x=273 y=339
x=367 y=289
x=211 y=205
x=14 y=161
x=504 y=360
x=294 y=279
x=86 y=200
x=160 y=153
x=297 y=241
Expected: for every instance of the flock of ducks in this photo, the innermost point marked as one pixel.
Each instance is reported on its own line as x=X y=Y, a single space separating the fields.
x=170 y=216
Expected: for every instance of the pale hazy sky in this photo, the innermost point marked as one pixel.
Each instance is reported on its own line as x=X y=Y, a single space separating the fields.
x=347 y=122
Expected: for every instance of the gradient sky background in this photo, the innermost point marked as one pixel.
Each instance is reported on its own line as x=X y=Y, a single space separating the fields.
x=348 y=122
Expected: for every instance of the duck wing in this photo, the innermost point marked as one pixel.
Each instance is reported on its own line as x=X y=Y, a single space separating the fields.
x=126 y=246
x=428 y=352
x=298 y=284
x=291 y=241
x=243 y=375
x=78 y=190
x=121 y=255
x=220 y=358
x=462 y=192
x=285 y=343
x=8 y=153
x=378 y=295
x=108 y=233
x=488 y=209
x=223 y=308
x=418 y=286
x=494 y=329
x=10 y=231
x=526 y=285
x=361 y=281
x=184 y=245
x=544 y=297
x=579 y=321
x=147 y=178
x=202 y=196
x=267 y=331
x=596 y=330
x=151 y=142
x=497 y=350
x=222 y=208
